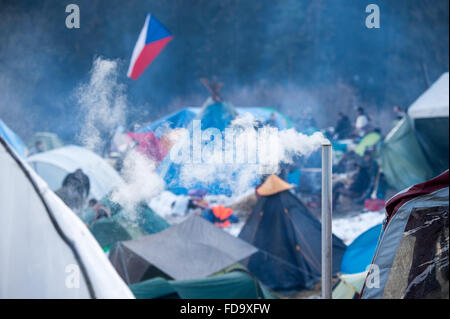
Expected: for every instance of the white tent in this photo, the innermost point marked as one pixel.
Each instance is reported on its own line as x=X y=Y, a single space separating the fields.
x=45 y=250
x=434 y=102
x=54 y=165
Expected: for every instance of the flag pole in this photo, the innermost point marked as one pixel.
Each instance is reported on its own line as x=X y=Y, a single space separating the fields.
x=327 y=193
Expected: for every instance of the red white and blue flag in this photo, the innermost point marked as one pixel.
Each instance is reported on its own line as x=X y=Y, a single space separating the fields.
x=152 y=39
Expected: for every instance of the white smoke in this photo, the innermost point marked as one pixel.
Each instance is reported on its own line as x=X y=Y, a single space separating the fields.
x=141 y=181
x=238 y=162
x=103 y=103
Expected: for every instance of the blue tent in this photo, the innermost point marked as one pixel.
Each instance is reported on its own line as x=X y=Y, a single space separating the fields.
x=182 y=118
x=12 y=138
x=361 y=251
x=214 y=115
x=174 y=120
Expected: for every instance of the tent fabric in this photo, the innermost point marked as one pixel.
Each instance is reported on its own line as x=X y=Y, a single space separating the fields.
x=434 y=102
x=367 y=141
x=54 y=165
x=349 y=286
x=108 y=231
x=401 y=157
x=432 y=135
x=288 y=237
x=192 y=249
x=411 y=261
x=360 y=252
x=212 y=115
x=149 y=145
x=13 y=139
x=142 y=217
x=216 y=115
x=182 y=118
x=429 y=114
x=232 y=285
x=45 y=250
x=179 y=119
x=273 y=185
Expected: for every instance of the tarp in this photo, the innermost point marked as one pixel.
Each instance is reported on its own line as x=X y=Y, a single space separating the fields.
x=411 y=261
x=367 y=141
x=349 y=286
x=45 y=250
x=288 y=237
x=232 y=285
x=360 y=252
x=54 y=165
x=434 y=102
x=13 y=139
x=401 y=157
x=190 y=250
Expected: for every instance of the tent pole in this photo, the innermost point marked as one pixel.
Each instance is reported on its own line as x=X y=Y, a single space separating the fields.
x=327 y=193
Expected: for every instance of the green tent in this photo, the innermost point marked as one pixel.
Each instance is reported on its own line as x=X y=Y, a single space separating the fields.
x=401 y=157
x=142 y=216
x=108 y=231
x=417 y=148
x=232 y=285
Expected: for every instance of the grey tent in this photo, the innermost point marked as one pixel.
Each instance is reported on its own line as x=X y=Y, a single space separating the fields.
x=192 y=249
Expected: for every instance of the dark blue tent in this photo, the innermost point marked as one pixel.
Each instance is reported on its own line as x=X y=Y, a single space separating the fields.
x=289 y=239
x=360 y=252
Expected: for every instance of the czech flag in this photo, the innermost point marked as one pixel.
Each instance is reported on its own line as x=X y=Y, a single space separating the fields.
x=152 y=39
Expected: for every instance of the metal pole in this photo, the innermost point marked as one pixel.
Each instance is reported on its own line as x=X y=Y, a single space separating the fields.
x=327 y=193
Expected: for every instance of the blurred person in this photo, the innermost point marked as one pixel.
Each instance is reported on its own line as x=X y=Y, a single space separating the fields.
x=399 y=112
x=361 y=121
x=343 y=128
x=272 y=121
x=38 y=147
x=75 y=190
x=353 y=187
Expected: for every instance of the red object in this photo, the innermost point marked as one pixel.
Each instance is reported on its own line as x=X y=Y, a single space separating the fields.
x=427 y=187
x=374 y=205
x=222 y=213
x=149 y=145
x=152 y=39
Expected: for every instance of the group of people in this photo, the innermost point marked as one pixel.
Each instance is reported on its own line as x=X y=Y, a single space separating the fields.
x=344 y=129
